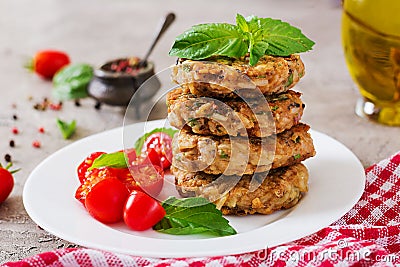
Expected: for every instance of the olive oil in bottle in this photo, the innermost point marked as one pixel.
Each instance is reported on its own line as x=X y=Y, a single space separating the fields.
x=373 y=60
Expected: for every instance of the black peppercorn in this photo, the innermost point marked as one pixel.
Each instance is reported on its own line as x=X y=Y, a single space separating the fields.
x=7 y=157
x=97 y=106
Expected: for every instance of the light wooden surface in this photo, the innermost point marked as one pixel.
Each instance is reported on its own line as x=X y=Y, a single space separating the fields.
x=96 y=31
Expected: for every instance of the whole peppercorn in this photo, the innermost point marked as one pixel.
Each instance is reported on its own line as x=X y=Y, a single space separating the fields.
x=36 y=144
x=98 y=105
x=7 y=157
x=15 y=130
x=12 y=143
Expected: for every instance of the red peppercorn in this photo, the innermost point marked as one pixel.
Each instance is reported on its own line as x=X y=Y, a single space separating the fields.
x=55 y=106
x=41 y=130
x=36 y=144
x=15 y=130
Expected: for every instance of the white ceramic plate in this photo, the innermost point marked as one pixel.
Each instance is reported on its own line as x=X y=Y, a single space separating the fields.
x=336 y=183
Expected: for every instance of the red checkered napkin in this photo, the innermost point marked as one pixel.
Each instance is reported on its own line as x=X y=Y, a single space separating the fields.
x=368 y=235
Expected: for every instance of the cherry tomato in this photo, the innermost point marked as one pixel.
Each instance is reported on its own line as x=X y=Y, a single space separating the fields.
x=86 y=164
x=92 y=178
x=162 y=144
x=106 y=200
x=125 y=176
x=142 y=212
x=150 y=156
x=6 y=183
x=149 y=177
x=47 y=62
x=131 y=156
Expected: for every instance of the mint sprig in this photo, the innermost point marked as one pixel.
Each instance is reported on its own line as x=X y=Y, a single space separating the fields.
x=253 y=35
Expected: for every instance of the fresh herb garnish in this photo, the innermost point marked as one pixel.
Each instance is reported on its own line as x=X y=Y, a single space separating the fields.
x=67 y=129
x=192 y=122
x=71 y=82
x=193 y=216
x=289 y=81
x=223 y=155
x=205 y=40
x=112 y=160
x=257 y=36
x=297 y=156
x=139 y=143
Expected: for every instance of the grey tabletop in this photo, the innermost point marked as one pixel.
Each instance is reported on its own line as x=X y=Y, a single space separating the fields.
x=96 y=31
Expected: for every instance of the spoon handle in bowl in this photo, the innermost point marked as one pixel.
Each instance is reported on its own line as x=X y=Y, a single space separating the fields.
x=164 y=26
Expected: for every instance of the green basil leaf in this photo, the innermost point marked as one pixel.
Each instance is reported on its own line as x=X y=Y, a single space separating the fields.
x=257 y=47
x=67 y=129
x=257 y=36
x=242 y=23
x=206 y=40
x=112 y=160
x=283 y=39
x=71 y=82
x=193 y=216
x=139 y=143
x=183 y=231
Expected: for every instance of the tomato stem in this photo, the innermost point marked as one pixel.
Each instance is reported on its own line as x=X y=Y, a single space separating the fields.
x=8 y=166
x=29 y=65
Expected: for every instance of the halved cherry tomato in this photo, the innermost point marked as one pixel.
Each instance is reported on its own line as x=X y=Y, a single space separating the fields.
x=86 y=164
x=125 y=176
x=92 y=178
x=142 y=212
x=149 y=177
x=106 y=200
x=150 y=156
x=130 y=155
x=162 y=144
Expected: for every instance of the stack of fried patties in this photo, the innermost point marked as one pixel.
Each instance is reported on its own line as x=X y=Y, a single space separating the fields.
x=218 y=153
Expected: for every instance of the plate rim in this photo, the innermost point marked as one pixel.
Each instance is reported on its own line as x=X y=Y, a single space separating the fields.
x=199 y=246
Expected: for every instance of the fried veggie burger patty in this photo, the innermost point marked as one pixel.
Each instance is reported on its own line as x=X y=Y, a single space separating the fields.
x=227 y=77
x=207 y=116
x=279 y=189
x=238 y=156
